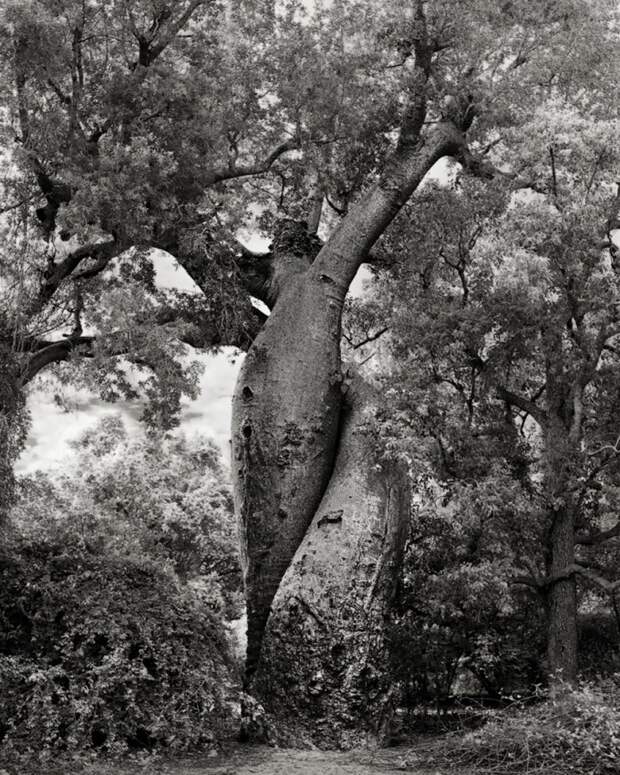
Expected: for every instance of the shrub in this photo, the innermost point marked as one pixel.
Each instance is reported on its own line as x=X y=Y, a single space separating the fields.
x=133 y=495
x=577 y=732
x=107 y=653
x=462 y=620
x=599 y=644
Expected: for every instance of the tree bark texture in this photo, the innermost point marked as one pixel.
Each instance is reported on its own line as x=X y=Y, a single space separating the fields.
x=562 y=594
x=13 y=424
x=562 y=601
x=326 y=632
x=321 y=655
x=285 y=426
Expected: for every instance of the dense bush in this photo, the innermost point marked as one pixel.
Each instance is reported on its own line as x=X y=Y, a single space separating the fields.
x=108 y=653
x=578 y=732
x=134 y=495
x=462 y=626
x=599 y=644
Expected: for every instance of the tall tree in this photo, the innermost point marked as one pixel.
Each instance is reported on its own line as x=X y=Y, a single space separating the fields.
x=514 y=338
x=147 y=125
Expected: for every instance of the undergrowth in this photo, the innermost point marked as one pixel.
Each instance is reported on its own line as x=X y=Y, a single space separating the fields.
x=108 y=655
x=576 y=731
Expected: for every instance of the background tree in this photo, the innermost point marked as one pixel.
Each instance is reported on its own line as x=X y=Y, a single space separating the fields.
x=516 y=379
x=155 y=496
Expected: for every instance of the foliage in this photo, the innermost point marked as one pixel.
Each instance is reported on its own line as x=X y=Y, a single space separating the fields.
x=578 y=731
x=158 y=497
x=459 y=618
x=107 y=653
x=599 y=642
x=504 y=382
x=118 y=581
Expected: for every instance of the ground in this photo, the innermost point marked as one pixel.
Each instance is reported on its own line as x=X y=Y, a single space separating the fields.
x=269 y=761
x=255 y=760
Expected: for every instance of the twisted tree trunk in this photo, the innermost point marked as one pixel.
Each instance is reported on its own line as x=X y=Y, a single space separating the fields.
x=327 y=629
x=321 y=676
x=285 y=427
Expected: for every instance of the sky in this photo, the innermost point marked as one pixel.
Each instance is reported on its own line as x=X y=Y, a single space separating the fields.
x=58 y=421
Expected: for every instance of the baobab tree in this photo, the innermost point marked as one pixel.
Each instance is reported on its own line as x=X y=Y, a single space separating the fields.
x=316 y=125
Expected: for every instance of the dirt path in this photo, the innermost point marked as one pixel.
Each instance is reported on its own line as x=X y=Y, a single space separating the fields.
x=270 y=761
x=249 y=760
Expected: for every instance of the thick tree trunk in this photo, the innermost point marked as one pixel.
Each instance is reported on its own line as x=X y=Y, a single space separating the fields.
x=323 y=676
x=286 y=413
x=285 y=425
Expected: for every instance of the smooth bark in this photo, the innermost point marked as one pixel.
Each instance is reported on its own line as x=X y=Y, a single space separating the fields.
x=327 y=629
x=287 y=401
x=286 y=429
x=285 y=426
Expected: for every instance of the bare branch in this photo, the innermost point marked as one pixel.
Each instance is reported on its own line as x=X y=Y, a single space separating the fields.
x=554 y=177
x=65 y=99
x=16 y=205
x=20 y=54
x=608 y=586
x=527 y=580
x=567 y=573
x=55 y=352
x=77 y=75
x=476 y=165
x=175 y=27
x=368 y=339
x=613 y=448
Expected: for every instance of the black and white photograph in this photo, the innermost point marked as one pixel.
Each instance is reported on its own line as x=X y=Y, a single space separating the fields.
x=309 y=387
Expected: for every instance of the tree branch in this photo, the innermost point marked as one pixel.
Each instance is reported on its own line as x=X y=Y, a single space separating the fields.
x=55 y=352
x=258 y=168
x=479 y=167
x=608 y=586
x=567 y=573
x=590 y=539
x=349 y=245
x=101 y=251
x=370 y=338
x=523 y=403
x=173 y=29
x=415 y=109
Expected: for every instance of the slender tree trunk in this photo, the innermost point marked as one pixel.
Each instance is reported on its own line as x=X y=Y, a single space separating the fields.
x=323 y=674
x=13 y=424
x=562 y=594
x=562 y=600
